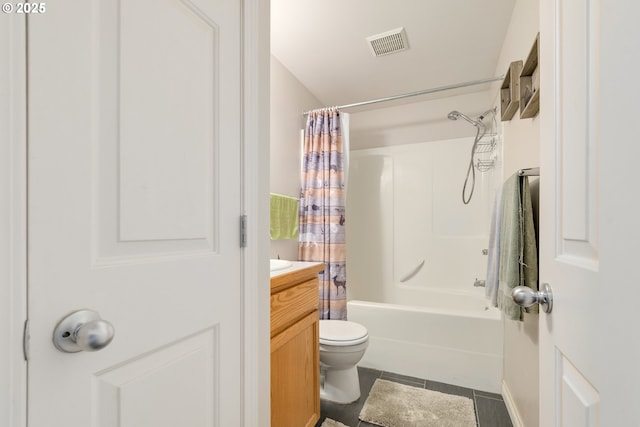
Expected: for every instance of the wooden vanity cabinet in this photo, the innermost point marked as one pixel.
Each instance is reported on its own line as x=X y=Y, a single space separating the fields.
x=295 y=348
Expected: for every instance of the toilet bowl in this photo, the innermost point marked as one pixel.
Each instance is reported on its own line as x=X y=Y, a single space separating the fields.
x=342 y=345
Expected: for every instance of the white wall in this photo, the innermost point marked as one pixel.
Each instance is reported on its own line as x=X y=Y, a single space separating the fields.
x=288 y=101
x=521 y=150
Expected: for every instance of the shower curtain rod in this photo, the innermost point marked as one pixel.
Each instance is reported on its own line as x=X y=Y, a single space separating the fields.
x=421 y=92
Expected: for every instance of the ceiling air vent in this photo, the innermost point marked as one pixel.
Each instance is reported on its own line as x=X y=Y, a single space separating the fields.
x=389 y=42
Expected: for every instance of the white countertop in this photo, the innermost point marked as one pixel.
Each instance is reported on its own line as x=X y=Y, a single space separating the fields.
x=295 y=265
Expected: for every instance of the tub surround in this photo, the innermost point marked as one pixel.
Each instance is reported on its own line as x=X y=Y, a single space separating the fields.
x=411 y=282
x=295 y=351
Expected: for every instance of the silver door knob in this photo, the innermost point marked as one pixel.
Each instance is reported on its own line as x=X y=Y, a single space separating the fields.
x=526 y=297
x=82 y=330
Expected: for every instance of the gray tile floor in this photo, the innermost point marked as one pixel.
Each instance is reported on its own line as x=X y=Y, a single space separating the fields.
x=490 y=408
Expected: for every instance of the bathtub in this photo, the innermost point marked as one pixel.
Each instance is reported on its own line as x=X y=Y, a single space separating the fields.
x=450 y=337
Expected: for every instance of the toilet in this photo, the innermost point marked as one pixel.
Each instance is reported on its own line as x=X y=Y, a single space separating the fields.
x=342 y=345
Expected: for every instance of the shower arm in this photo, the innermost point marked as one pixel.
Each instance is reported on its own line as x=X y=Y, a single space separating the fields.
x=493 y=110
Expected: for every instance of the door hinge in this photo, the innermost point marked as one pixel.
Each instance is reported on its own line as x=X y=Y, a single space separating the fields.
x=25 y=340
x=243 y=231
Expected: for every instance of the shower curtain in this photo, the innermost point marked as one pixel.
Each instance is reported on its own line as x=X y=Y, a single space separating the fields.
x=322 y=206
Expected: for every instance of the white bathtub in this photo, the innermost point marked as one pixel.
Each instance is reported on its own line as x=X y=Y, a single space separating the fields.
x=455 y=339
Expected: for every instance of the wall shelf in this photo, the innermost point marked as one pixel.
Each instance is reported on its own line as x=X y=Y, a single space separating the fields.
x=510 y=91
x=530 y=83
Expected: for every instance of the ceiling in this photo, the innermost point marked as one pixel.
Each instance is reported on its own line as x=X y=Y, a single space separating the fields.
x=323 y=44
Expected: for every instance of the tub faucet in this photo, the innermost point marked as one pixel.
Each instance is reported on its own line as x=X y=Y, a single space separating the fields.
x=479 y=283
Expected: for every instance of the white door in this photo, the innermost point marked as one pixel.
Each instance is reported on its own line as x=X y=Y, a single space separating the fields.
x=134 y=203
x=589 y=345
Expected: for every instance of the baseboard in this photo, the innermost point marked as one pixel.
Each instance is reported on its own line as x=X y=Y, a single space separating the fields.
x=516 y=420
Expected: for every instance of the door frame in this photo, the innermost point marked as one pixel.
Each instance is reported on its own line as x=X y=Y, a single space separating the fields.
x=13 y=220
x=255 y=202
x=255 y=205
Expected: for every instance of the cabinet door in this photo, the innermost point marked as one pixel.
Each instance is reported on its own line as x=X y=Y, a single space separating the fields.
x=295 y=374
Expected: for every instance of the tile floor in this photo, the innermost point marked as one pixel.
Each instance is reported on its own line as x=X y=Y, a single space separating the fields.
x=490 y=408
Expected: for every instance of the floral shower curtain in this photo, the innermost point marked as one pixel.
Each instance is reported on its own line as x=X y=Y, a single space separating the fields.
x=322 y=208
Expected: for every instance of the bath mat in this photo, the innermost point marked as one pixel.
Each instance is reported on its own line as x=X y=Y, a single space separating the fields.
x=397 y=405
x=328 y=422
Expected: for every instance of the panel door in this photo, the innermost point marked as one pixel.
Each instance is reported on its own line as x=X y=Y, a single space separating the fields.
x=134 y=198
x=589 y=346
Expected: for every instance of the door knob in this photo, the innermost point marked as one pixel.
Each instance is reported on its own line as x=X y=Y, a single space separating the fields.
x=526 y=297
x=82 y=330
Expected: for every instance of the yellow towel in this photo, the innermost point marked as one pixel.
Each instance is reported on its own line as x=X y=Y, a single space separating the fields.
x=284 y=217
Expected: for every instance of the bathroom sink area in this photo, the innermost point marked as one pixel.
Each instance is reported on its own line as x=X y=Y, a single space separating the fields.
x=295 y=319
x=279 y=264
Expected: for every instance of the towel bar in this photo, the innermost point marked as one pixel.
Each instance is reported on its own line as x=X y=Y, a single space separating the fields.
x=529 y=172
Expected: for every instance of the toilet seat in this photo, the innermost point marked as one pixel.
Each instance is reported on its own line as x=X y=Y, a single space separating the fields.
x=341 y=333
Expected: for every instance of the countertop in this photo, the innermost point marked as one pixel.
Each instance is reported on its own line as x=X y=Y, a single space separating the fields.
x=298 y=272
x=297 y=265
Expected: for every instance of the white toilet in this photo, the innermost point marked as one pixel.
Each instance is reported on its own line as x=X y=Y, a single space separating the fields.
x=342 y=345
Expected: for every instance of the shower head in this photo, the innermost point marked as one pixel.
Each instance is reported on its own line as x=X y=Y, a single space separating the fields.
x=455 y=115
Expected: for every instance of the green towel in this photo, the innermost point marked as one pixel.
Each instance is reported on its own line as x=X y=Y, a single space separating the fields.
x=518 y=252
x=284 y=217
